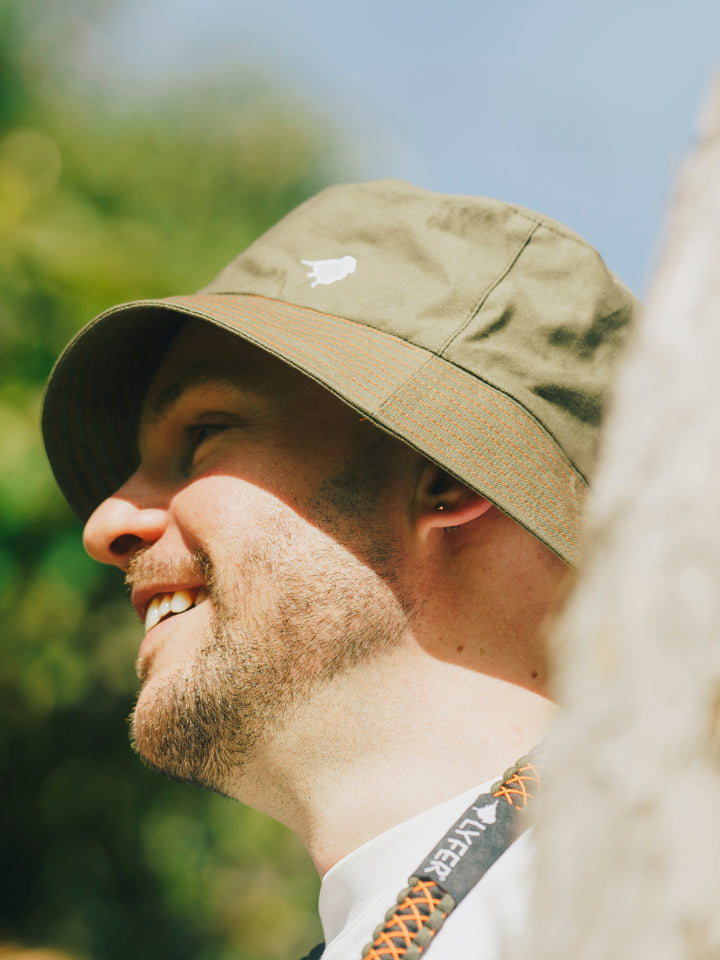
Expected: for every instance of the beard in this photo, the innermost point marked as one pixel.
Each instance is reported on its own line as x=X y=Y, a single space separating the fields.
x=285 y=619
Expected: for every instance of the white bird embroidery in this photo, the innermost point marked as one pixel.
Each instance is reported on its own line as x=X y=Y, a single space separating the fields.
x=330 y=271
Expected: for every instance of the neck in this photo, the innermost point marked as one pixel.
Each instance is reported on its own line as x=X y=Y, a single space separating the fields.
x=385 y=742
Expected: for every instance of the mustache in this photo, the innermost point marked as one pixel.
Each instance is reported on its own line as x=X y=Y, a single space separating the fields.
x=143 y=567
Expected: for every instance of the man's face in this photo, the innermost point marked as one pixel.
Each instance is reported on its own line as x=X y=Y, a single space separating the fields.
x=271 y=518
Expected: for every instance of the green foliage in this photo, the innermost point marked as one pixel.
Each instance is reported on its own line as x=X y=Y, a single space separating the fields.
x=102 y=202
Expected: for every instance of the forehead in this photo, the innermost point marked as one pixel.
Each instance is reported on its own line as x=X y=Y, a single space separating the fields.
x=206 y=357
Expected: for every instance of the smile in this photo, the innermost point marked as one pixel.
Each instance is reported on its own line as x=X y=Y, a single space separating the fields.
x=165 y=605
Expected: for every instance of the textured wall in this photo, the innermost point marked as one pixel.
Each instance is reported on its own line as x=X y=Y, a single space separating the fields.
x=629 y=839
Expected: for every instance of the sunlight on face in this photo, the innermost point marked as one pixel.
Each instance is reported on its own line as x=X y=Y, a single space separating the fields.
x=280 y=505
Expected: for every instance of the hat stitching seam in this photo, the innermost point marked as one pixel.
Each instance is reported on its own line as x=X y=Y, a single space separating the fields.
x=565 y=468
x=434 y=422
x=571 y=507
x=288 y=309
x=458 y=451
x=503 y=404
x=479 y=303
x=327 y=359
x=511 y=402
x=378 y=388
x=270 y=316
x=549 y=453
x=358 y=329
x=563 y=233
x=559 y=525
x=333 y=359
x=501 y=396
x=549 y=449
x=493 y=485
x=508 y=445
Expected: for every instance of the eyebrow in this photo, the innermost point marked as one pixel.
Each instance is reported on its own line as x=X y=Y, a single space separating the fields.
x=194 y=377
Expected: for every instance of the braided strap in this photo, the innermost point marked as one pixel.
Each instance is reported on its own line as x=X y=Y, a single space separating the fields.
x=521 y=783
x=454 y=866
x=410 y=926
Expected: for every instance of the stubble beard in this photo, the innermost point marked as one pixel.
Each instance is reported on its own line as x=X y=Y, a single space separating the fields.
x=293 y=615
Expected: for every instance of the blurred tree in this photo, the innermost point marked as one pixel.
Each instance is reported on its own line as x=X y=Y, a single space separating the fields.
x=102 y=202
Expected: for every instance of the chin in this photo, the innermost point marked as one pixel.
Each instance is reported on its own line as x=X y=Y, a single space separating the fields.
x=188 y=729
x=166 y=738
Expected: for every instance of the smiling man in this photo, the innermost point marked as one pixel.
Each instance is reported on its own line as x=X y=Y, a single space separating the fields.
x=344 y=482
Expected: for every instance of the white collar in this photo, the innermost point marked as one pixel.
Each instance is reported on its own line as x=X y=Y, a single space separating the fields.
x=364 y=884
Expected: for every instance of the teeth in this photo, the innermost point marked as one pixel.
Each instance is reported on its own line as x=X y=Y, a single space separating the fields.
x=153 y=614
x=177 y=602
x=181 y=600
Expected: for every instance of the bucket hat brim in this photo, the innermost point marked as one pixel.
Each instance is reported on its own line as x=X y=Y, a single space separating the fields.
x=478 y=433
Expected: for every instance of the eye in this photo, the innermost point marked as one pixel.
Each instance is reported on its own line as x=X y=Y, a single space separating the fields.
x=198 y=433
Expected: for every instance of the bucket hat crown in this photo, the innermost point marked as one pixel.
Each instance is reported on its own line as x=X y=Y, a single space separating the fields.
x=482 y=334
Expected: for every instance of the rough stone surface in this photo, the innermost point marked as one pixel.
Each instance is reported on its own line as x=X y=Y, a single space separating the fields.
x=629 y=834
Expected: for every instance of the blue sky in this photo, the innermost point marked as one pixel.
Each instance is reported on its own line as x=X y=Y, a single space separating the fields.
x=580 y=110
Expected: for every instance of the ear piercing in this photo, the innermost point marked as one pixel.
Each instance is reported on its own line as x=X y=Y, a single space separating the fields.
x=441 y=506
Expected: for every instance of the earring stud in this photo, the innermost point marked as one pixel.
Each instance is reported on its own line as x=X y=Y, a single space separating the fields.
x=441 y=506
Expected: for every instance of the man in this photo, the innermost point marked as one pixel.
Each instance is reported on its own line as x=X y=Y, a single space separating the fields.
x=344 y=482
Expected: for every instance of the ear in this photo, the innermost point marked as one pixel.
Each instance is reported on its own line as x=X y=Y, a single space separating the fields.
x=444 y=503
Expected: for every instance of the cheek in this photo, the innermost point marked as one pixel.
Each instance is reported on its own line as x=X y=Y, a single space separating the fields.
x=219 y=511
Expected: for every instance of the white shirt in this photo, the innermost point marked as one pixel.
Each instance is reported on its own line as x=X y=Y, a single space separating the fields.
x=357 y=892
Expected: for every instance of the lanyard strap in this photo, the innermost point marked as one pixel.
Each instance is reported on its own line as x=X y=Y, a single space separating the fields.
x=454 y=865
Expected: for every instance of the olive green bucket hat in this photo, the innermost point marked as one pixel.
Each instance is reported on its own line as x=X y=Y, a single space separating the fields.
x=481 y=334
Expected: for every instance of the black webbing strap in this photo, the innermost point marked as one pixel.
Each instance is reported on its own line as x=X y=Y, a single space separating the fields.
x=454 y=865
x=316 y=952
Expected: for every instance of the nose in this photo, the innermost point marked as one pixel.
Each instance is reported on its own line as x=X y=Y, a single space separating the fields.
x=121 y=526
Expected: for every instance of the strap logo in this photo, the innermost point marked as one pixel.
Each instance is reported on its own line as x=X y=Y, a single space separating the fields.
x=330 y=271
x=457 y=843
